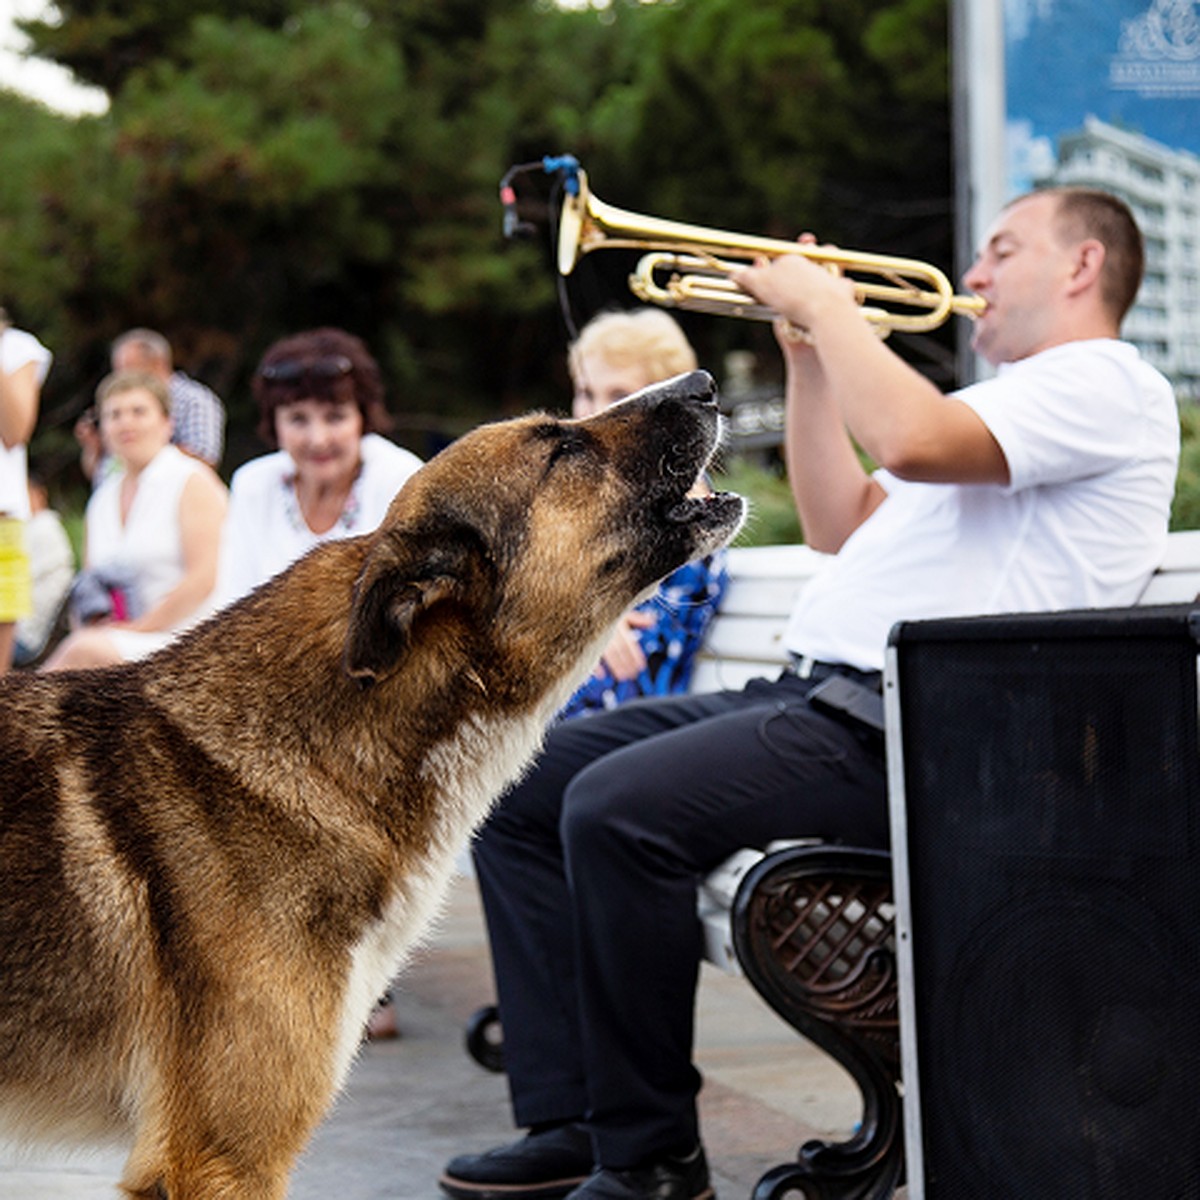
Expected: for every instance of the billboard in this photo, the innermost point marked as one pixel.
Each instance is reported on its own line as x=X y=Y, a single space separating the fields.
x=1103 y=93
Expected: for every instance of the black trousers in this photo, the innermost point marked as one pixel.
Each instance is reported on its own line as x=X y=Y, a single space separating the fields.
x=588 y=870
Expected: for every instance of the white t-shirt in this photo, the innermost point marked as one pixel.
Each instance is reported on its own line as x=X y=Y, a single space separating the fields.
x=1091 y=436
x=265 y=530
x=17 y=349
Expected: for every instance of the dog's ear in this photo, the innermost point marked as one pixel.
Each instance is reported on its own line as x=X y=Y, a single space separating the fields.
x=405 y=577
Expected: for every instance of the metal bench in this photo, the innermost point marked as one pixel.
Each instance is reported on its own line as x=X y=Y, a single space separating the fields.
x=811 y=925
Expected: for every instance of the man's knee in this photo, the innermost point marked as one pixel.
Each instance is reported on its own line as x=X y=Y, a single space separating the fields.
x=85 y=648
x=606 y=814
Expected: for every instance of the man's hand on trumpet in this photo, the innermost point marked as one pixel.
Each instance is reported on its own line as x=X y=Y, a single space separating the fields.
x=897 y=415
x=800 y=290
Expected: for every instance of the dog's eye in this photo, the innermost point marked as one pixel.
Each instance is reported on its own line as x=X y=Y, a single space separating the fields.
x=567 y=447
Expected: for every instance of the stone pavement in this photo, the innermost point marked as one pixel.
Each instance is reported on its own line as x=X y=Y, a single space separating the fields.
x=414 y=1102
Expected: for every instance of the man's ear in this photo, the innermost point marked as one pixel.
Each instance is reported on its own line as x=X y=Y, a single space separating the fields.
x=405 y=577
x=1089 y=263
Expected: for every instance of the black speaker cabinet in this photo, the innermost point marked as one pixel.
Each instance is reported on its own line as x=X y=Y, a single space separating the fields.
x=1043 y=773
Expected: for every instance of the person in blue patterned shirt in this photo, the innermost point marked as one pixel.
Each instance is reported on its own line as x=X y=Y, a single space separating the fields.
x=653 y=650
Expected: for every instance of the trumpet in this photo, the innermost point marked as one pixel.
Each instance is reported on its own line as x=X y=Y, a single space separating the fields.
x=688 y=266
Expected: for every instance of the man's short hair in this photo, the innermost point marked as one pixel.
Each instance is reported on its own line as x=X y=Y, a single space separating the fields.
x=149 y=342
x=1091 y=213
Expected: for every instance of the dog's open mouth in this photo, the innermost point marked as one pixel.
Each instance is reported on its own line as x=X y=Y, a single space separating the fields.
x=711 y=517
x=678 y=432
x=713 y=508
x=689 y=461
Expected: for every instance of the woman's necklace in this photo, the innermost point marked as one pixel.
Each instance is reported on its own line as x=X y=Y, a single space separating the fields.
x=320 y=513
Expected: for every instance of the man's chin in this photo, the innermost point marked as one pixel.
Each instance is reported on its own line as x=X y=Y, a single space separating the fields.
x=986 y=349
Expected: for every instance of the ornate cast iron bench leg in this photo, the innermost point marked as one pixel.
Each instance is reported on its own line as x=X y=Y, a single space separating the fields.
x=813 y=930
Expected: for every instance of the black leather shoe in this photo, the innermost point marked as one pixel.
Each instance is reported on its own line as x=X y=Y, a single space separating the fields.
x=541 y=1166
x=663 y=1179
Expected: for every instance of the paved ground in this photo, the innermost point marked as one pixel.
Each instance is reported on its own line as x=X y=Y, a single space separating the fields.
x=412 y=1103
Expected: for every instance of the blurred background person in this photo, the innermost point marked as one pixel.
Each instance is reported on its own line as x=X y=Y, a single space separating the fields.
x=52 y=569
x=152 y=533
x=652 y=652
x=197 y=413
x=331 y=473
x=24 y=364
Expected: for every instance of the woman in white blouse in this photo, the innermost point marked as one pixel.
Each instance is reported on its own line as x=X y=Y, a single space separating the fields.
x=320 y=399
x=151 y=531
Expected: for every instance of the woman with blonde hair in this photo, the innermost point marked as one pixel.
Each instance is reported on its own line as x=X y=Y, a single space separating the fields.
x=652 y=652
x=617 y=353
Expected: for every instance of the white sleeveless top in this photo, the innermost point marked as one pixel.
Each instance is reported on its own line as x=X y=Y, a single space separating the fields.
x=18 y=349
x=148 y=546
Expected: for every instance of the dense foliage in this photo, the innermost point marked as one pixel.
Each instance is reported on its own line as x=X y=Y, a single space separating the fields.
x=269 y=165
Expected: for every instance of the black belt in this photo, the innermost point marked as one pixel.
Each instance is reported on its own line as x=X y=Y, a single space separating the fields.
x=805 y=667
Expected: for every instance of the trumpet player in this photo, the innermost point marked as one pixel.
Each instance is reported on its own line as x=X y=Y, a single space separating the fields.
x=1057 y=277
x=1048 y=486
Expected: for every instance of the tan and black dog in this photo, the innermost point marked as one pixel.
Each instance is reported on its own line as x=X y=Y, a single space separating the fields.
x=213 y=860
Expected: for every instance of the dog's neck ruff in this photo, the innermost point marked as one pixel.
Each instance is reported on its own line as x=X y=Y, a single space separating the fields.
x=468 y=770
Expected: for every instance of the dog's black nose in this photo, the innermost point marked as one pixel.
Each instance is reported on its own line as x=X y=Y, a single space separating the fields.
x=697 y=386
x=701 y=386
x=692 y=387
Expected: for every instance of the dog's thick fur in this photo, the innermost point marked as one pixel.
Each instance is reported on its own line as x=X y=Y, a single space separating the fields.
x=215 y=859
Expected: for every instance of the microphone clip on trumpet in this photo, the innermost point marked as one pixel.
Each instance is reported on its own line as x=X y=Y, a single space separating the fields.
x=565 y=166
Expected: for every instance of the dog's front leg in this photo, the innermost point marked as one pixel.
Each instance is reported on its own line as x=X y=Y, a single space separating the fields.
x=209 y=1179
x=163 y=1169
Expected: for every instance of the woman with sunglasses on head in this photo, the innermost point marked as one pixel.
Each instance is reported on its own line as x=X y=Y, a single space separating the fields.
x=331 y=475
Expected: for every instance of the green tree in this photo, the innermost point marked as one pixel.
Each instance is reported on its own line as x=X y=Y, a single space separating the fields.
x=104 y=44
x=265 y=179
x=276 y=164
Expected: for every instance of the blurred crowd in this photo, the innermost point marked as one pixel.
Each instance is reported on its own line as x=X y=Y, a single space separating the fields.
x=166 y=542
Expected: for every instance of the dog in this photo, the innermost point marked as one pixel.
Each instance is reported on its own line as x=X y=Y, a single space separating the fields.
x=215 y=859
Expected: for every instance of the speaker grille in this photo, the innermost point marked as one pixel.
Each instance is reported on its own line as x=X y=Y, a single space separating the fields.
x=1051 y=799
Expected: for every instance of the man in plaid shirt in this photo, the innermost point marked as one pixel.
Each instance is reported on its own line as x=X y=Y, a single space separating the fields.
x=196 y=411
x=197 y=414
